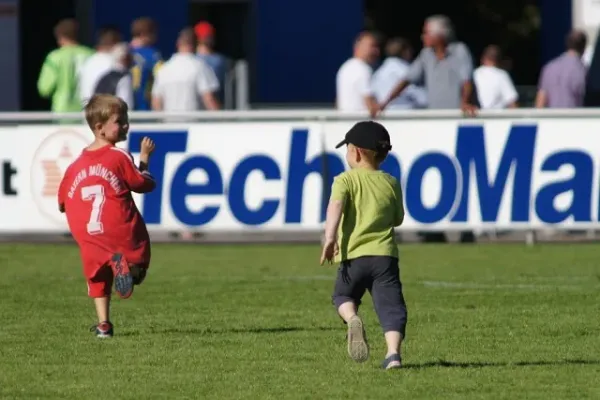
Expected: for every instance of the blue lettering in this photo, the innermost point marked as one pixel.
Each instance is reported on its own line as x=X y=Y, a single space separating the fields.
x=391 y=165
x=517 y=156
x=469 y=167
x=580 y=185
x=181 y=189
x=333 y=167
x=237 y=189
x=327 y=165
x=166 y=142
x=448 y=188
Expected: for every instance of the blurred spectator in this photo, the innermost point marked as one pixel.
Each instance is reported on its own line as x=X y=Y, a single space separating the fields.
x=59 y=73
x=393 y=70
x=185 y=82
x=353 y=82
x=562 y=81
x=146 y=59
x=493 y=85
x=380 y=39
x=99 y=63
x=444 y=64
x=446 y=67
x=205 y=35
x=117 y=81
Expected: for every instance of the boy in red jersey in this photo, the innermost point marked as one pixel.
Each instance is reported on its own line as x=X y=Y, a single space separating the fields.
x=95 y=194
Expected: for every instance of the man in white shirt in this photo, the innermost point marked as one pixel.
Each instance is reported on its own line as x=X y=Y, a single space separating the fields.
x=353 y=82
x=394 y=70
x=99 y=64
x=493 y=85
x=185 y=83
x=117 y=81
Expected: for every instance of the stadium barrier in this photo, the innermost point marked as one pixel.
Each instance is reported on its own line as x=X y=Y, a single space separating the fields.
x=234 y=171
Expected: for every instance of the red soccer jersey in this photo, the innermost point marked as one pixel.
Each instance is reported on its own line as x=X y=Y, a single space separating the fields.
x=95 y=193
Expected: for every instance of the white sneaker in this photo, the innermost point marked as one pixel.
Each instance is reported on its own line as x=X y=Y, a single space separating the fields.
x=358 y=348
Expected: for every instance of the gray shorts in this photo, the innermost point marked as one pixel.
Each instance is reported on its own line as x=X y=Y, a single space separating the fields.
x=380 y=275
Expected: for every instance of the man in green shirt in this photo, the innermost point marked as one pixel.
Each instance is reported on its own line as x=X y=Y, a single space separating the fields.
x=58 y=77
x=365 y=206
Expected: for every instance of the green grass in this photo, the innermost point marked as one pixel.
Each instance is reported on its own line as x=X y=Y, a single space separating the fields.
x=256 y=322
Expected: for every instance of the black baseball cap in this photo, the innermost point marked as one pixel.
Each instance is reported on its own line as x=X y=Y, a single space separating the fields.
x=368 y=135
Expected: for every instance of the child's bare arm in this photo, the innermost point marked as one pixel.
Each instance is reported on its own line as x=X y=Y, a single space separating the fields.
x=61 y=192
x=335 y=210
x=332 y=222
x=147 y=148
x=139 y=180
x=334 y=216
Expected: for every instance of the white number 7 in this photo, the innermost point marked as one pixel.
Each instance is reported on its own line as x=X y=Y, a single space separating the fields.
x=94 y=193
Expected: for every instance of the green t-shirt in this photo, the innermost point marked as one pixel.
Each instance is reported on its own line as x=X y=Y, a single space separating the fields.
x=373 y=206
x=59 y=76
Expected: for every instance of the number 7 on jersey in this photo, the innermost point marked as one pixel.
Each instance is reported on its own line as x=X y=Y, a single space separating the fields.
x=95 y=194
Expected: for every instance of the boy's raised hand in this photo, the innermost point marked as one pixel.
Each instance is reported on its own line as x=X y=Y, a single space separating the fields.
x=147 y=147
x=330 y=250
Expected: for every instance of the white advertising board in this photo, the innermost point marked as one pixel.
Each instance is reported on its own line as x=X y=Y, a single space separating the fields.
x=457 y=175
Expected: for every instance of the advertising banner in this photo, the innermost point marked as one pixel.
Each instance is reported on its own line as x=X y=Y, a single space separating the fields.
x=456 y=175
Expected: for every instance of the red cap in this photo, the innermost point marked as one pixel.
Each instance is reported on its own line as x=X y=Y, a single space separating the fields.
x=203 y=30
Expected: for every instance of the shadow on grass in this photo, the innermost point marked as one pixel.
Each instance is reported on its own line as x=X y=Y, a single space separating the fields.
x=210 y=331
x=452 y=364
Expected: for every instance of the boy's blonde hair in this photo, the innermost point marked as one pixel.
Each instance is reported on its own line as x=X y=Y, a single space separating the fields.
x=101 y=107
x=373 y=157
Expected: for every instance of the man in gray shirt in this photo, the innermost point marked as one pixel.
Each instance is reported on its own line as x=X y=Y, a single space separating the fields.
x=562 y=82
x=445 y=66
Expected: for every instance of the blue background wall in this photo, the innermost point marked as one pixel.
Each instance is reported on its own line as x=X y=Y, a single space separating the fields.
x=300 y=45
x=556 y=18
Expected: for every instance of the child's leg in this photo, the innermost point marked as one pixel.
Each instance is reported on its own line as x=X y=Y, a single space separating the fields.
x=347 y=310
x=102 y=308
x=393 y=339
x=350 y=286
x=389 y=302
x=138 y=272
x=100 y=288
x=139 y=262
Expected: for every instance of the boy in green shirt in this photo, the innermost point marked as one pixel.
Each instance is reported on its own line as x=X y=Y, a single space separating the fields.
x=365 y=206
x=59 y=76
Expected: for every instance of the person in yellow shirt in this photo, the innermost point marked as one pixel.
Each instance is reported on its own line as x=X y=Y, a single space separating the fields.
x=365 y=206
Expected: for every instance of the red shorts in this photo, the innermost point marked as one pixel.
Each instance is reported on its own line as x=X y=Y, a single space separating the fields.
x=99 y=275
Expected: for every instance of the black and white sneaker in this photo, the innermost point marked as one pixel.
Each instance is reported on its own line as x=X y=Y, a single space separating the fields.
x=392 y=362
x=103 y=330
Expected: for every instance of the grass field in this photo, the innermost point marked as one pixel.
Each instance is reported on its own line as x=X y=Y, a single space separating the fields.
x=255 y=322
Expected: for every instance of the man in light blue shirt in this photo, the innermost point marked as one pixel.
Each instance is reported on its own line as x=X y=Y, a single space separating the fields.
x=394 y=70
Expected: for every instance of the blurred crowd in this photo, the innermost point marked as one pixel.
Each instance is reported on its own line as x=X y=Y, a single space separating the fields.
x=443 y=75
x=192 y=79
